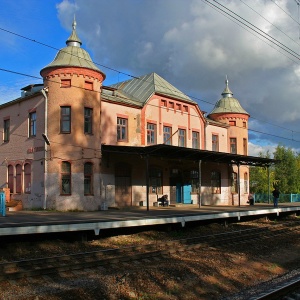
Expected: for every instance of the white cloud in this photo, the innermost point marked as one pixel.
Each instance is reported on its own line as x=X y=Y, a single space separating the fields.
x=193 y=46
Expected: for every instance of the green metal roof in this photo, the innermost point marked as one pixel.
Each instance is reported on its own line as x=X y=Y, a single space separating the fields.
x=141 y=89
x=228 y=104
x=73 y=55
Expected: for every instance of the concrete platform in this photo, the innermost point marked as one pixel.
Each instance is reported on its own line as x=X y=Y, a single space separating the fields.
x=36 y=222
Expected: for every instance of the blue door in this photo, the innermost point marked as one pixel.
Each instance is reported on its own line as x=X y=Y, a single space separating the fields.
x=187 y=198
x=178 y=193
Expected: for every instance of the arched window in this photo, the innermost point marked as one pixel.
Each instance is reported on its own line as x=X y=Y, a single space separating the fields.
x=65 y=178
x=88 y=178
x=216 y=182
x=18 y=179
x=27 y=178
x=246 y=183
x=234 y=183
x=10 y=171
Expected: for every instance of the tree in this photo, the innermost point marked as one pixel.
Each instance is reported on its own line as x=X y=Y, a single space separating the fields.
x=259 y=181
x=287 y=170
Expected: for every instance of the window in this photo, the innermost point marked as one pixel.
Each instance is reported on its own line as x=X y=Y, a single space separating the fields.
x=65 y=119
x=215 y=142
x=164 y=103
x=234 y=183
x=88 y=120
x=171 y=104
x=244 y=124
x=245 y=146
x=178 y=106
x=10 y=171
x=232 y=123
x=18 y=179
x=185 y=108
x=6 y=126
x=88 y=85
x=155 y=181
x=167 y=135
x=88 y=178
x=65 y=178
x=65 y=83
x=216 y=182
x=246 y=183
x=151 y=134
x=122 y=128
x=195 y=140
x=233 y=145
x=181 y=137
x=194 y=175
x=27 y=178
x=32 y=124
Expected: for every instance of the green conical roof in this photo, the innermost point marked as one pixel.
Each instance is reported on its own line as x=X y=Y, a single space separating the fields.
x=228 y=104
x=73 y=55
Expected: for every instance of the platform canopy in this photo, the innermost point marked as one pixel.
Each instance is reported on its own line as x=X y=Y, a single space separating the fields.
x=183 y=153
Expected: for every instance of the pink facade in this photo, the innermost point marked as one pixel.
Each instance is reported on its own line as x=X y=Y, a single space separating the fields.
x=53 y=139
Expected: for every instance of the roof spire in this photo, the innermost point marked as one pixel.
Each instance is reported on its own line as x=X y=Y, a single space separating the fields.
x=74 y=23
x=227 y=92
x=74 y=40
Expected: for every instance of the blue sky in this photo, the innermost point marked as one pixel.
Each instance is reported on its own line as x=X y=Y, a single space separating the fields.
x=193 y=44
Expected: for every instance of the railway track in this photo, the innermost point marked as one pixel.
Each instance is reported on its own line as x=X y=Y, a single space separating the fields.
x=64 y=263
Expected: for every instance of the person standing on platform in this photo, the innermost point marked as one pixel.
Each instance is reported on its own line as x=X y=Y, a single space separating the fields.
x=251 y=199
x=276 y=194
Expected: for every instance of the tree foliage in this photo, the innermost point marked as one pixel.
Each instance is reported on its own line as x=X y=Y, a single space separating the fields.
x=285 y=174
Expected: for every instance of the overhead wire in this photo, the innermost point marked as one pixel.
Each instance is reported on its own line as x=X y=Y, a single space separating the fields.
x=119 y=72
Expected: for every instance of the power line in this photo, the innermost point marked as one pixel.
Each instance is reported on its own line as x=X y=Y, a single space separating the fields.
x=292 y=131
x=192 y=97
x=255 y=29
x=270 y=22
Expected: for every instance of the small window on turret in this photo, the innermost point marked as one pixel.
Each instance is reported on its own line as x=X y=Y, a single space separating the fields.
x=65 y=83
x=232 y=123
x=244 y=124
x=88 y=85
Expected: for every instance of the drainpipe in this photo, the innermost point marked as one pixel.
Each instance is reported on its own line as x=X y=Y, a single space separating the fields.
x=44 y=92
x=200 y=179
x=238 y=184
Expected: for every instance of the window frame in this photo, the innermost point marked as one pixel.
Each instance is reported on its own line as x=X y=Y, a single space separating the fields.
x=195 y=140
x=27 y=178
x=151 y=133
x=122 y=129
x=246 y=188
x=181 y=137
x=6 y=130
x=66 y=175
x=245 y=146
x=88 y=179
x=215 y=182
x=32 y=124
x=234 y=183
x=65 y=119
x=88 y=120
x=10 y=178
x=194 y=178
x=233 y=145
x=167 y=135
x=155 y=181
x=215 y=142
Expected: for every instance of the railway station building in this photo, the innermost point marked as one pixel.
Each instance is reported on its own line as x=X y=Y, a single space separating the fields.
x=73 y=143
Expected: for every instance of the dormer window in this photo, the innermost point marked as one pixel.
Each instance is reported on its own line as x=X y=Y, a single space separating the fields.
x=65 y=83
x=88 y=85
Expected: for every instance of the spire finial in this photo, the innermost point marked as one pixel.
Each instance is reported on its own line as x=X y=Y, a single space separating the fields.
x=226 y=81
x=74 y=23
